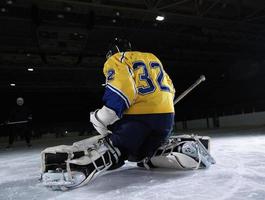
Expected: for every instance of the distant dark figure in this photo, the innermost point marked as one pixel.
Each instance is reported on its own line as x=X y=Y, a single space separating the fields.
x=20 y=123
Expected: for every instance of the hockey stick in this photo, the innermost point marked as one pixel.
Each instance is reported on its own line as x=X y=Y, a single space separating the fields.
x=201 y=79
x=11 y=123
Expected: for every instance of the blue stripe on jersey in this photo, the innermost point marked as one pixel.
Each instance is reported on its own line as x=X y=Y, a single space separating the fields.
x=114 y=101
x=118 y=92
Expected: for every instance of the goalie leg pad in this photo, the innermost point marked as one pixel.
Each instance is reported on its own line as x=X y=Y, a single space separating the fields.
x=184 y=152
x=65 y=167
x=174 y=161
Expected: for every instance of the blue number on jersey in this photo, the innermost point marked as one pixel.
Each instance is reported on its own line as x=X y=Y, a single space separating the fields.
x=144 y=77
x=160 y=76
x=110 y=74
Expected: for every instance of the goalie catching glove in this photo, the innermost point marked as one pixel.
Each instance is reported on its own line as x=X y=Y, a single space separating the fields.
x=103 y=117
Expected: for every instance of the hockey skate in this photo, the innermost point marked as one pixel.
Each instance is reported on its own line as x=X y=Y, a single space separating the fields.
x=65 y=167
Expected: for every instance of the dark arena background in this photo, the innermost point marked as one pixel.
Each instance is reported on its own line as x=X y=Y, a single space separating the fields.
x=52 y=54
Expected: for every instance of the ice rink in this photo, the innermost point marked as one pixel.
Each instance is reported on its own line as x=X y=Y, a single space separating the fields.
x=238 y=175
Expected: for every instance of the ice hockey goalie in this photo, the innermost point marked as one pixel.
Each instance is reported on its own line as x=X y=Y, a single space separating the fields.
x=134 y=124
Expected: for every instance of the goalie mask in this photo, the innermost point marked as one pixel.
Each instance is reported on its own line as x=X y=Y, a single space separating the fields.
x=118 y=45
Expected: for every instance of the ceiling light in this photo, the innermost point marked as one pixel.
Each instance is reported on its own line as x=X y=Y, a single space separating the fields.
x=117 y=13
x=30 y=69
x=160 y=18
x=12 y=84
x=9 y=2
x=3 y=10
x=60 y=16
x=114 y=21
x=68 y=8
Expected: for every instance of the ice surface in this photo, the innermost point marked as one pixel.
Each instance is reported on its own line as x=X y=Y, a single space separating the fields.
x=238 y=175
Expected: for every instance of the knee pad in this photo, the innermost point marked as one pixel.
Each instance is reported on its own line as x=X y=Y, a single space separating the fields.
x=66 y=166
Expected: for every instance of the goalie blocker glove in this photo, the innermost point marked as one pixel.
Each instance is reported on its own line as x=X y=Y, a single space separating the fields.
x=103 y=117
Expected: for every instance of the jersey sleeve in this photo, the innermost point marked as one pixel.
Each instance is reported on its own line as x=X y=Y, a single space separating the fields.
x=120 y=89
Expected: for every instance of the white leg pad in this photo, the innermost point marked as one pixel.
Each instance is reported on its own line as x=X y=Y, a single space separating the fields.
x=184 y=152
x=174 y=161
x=64 y=167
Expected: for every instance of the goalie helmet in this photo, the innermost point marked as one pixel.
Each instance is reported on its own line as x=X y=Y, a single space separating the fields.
x=118 y=45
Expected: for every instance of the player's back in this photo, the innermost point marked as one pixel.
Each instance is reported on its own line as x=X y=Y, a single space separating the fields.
x=142 y=81
x=154 y=87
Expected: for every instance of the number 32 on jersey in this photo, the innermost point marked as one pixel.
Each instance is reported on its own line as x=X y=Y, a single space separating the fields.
x=145 y=76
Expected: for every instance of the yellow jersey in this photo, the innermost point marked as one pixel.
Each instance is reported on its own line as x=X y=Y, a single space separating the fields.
x=136 y=83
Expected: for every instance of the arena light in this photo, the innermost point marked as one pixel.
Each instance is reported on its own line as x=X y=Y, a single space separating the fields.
x=9 y=2
x=60 y=16
x=68 y=8
x=160 y=18
x=12 y=84
x=30 y=69
x=3 y=10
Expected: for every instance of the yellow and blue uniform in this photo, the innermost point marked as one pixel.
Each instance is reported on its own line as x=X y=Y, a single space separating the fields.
x=141 y=94
x=136 y=83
